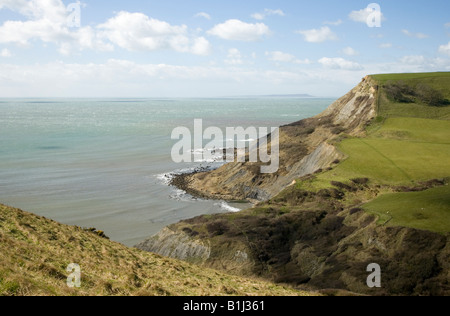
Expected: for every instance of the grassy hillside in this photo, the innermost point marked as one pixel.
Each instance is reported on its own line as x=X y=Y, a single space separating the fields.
x=34 y=254
x=401 y=151
x=387 y=107
x=408 y=144
x=427 y=210
x=385 y=201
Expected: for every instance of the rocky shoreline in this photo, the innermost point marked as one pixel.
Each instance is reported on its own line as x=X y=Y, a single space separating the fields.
x=183 y=182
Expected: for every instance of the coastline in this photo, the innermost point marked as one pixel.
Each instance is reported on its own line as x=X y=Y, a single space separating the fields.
x=184 y=182
x=112 y=180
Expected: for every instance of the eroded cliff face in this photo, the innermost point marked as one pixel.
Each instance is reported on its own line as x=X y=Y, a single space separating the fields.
x=355 y=109
x=305 y=147
x=178 y=245
x=316 y=243
x=316 y=240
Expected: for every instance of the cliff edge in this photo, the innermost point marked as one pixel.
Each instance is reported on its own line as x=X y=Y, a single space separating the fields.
x=305 y=148
x=366 y=181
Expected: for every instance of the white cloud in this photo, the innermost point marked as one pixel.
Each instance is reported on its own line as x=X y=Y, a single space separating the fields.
x=138 y=32
x=339 y=63
x=419 y=63
x=445 y=49
x=201 y=47
x=415 y=35
x=266 y=13
x=334 y=23
x=318 y=35
x=278 y=56
x=240 y=31
x=122 y=78
x=52 y=10
x=258 y=16
x=362 y=16
x=350 y=51
x=47 y=22
x=203 y=15
x=234 y=57
x=413 y=60
x=447 y=24
x=386 y=45
x=5 y=53
x=281 y=57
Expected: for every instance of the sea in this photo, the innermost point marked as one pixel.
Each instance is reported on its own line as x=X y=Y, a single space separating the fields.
x=106 y=163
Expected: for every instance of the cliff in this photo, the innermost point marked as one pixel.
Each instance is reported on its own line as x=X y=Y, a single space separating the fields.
x=352 y=190
x=180 y=245
x=305 y=147
x=325 y=251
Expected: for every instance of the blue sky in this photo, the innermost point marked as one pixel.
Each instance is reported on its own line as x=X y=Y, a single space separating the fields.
x=204 y=48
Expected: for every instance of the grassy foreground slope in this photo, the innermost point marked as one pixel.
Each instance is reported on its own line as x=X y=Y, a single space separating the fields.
x=35 y=252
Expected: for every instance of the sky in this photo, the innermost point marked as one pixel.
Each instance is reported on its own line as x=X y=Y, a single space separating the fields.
x=212 y=48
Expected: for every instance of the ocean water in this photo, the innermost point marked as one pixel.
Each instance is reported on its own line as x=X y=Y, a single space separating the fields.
x=106 y=163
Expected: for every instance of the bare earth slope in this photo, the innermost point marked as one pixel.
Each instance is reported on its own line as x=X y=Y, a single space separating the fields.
x=305 y=147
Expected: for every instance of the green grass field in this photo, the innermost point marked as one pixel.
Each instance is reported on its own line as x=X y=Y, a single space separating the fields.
x=439 y=81
x=408 y=144
x=427 y=210
x=403 y=151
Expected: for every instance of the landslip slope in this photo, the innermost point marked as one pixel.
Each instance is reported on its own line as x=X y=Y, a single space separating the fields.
x=305 y=148
x=343 y=198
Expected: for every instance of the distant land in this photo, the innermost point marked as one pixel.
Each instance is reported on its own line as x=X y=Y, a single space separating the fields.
x=279 y=96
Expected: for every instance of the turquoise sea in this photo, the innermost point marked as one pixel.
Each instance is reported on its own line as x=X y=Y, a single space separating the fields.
x=104 y=163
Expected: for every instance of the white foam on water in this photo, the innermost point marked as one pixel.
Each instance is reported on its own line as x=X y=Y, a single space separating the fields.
x=106 y=170
x=178 y=194
x=290 y=115
x=182 y=196
x=247 y=140
x=227 y=207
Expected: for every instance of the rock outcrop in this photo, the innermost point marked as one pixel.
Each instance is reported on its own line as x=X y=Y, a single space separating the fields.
x=321 y=245
x=177 y=245
x=305 y=147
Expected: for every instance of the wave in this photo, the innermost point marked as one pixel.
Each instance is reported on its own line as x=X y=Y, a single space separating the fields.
x=227 y=207
x=178 y=194
x=166 y=178
x=247 y=140
x=215 y=155
x=183 y=196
